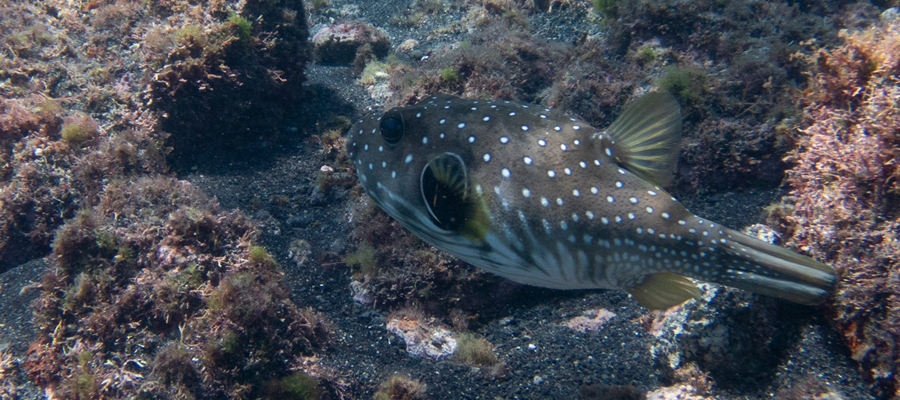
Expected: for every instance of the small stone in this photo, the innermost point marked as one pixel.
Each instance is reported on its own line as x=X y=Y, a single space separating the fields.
x=537 y=380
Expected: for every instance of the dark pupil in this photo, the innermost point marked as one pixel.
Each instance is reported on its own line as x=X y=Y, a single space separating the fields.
x=392 y=129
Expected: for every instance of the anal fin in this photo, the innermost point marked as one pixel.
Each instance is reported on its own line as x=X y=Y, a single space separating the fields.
x=663 y=290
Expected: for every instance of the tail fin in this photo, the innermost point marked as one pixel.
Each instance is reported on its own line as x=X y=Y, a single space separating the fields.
x=767 y=269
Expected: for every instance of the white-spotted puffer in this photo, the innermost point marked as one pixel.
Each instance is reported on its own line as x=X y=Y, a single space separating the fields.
x=544 y=199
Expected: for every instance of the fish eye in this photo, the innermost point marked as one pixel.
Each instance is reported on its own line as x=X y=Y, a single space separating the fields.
x=392 y=128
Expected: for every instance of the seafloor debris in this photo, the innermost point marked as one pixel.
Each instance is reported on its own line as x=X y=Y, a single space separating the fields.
x=592 y=320
x=423 y=337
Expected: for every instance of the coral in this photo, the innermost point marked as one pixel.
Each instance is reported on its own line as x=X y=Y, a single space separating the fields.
x=401 y=387
x=845 y=188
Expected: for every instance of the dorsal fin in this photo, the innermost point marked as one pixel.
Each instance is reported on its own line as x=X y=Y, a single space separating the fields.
x=646 y=137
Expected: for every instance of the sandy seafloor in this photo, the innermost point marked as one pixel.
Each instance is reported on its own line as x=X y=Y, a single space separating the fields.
x=543 y=359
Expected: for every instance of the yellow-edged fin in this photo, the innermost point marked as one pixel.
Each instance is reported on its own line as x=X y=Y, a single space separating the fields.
x=646 y=137
x=478 y=223
x=452 y=202
x=662 y=290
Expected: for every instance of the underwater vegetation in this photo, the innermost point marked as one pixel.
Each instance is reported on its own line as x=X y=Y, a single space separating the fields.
x=54 y=160
x=401 y=387
x=222 y=65
x=157 y=275
x=844 y=204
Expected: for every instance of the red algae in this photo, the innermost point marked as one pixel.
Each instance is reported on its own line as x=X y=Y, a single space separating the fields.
x=845 y=189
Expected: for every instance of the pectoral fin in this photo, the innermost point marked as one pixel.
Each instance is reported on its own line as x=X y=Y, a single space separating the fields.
x=663 y=290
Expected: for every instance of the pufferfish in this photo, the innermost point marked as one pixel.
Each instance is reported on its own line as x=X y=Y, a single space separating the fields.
x=544 y=199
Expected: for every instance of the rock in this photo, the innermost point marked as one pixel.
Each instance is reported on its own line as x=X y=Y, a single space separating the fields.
x=338 y=44
x=423 y=338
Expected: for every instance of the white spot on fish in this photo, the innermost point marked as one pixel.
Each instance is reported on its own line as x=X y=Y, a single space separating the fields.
x=576 y=193
x=487 y=157
x=524 y=127
x=542 y=142
x=461 y=125
x=551 y=173
x=504 y=139
x=528 y=160
x=471 y=139
x=505 y=172
x=610 y=199
x=442 y=121
x=409 y=158
x=545 y=202
x=526 y=192
x=486 y=119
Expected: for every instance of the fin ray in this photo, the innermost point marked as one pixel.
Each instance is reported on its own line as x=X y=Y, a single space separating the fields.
x=662 y=290
x=784 y=274
x=646 y=137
